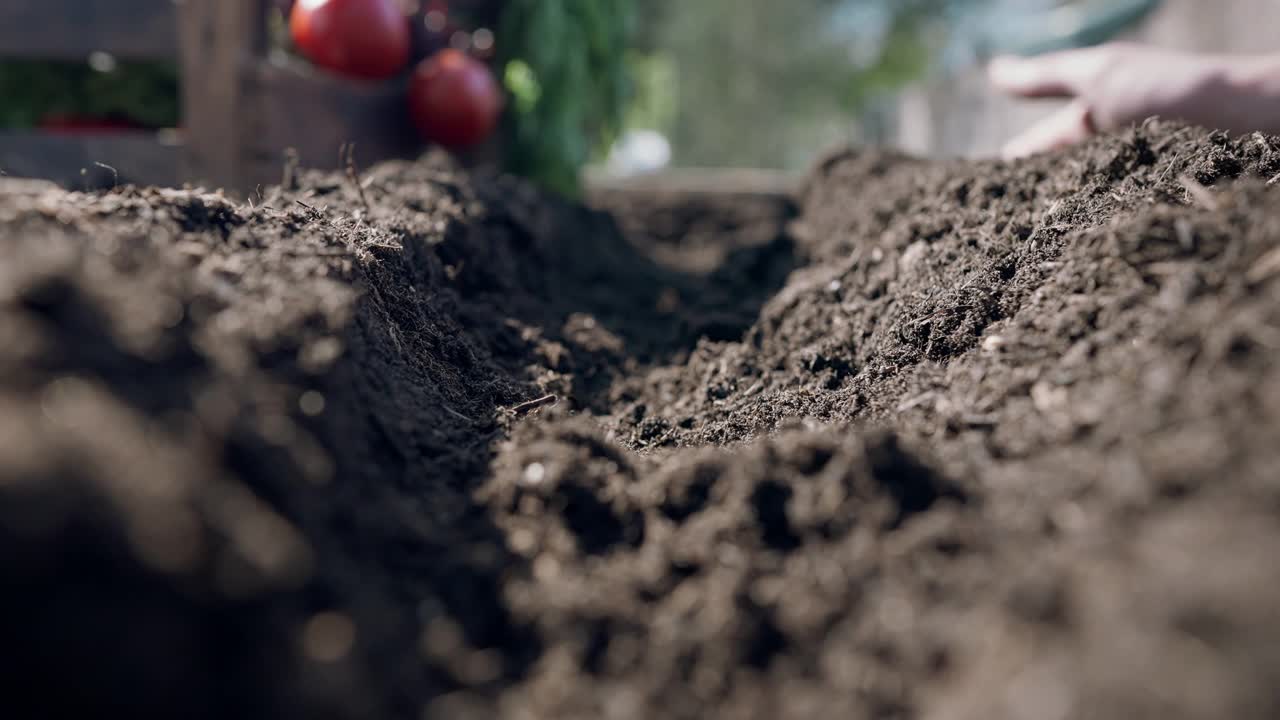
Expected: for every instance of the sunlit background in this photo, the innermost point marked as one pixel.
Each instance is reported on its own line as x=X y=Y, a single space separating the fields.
x=761 y=83
x=633 y=87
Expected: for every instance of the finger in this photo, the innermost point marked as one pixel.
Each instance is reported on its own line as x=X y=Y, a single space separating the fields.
x=1068 y=126
x=1063 y=74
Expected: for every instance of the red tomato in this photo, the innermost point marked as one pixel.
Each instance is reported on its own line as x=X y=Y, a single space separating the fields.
x=454 y=99
x=360 y=38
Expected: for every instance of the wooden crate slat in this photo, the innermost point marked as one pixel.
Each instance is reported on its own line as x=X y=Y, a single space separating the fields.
x=221 y=41
x=72 y=29
x=316 y=113
x=138 y=157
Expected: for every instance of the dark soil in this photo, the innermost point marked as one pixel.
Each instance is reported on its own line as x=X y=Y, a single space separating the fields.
x=942 y=440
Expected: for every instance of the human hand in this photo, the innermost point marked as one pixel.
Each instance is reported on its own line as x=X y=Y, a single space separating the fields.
x=1112 y=86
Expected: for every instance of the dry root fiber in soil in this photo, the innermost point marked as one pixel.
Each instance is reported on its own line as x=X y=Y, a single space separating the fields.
x=939 y=440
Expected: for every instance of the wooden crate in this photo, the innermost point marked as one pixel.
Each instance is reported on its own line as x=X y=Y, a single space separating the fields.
x=242 y=106
x=72 y=30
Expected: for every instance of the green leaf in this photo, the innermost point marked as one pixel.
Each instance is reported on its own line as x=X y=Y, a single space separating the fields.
x=565 y=64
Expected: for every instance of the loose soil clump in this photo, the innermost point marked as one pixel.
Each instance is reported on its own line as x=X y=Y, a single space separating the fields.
x=933 y=440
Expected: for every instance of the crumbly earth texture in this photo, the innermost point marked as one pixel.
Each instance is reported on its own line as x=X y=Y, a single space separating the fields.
x=941 y=440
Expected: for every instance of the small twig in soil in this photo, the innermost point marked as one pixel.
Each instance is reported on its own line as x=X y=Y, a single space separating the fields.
x=115 y=174
x=1165 y=174
x=1171 y=139
x=314 y=253
x=289 y=181
x=353 y=173
x=1199 y=193
x=457 y=414
x=1270 y=182
x=532 y=405
x=318 y=212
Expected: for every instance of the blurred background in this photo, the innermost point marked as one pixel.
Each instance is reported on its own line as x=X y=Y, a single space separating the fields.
x=618 y=87
x=758 y=83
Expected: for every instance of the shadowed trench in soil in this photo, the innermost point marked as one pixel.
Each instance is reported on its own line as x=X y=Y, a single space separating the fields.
x=412 y=403
x=920 y=445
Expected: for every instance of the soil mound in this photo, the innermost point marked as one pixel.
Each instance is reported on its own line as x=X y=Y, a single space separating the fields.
x=937 y=440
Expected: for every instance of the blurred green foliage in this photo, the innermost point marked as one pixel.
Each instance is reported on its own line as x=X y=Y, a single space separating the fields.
x=762 y=83
x=144 y=92
x=565 y=64
x=653 y=103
